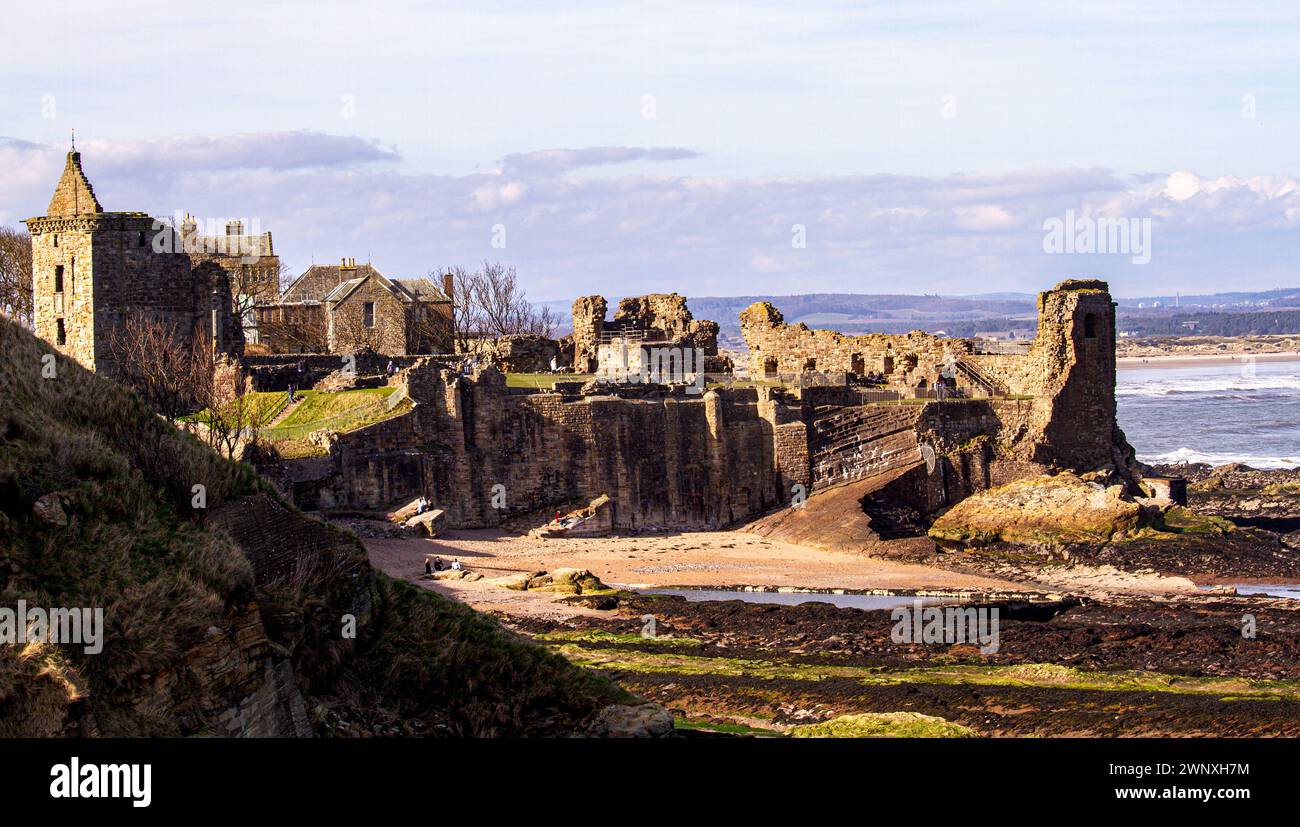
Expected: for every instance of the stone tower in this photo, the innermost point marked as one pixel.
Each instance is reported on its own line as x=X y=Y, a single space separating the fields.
x=1074 y=359
x=91 y=268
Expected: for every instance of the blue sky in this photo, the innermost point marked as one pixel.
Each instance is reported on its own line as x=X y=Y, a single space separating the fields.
x=664 y=146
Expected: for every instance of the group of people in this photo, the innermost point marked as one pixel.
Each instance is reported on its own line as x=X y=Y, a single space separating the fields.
x=432 y=564
x=874 y=379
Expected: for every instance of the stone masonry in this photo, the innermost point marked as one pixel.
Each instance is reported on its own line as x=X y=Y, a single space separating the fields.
x=485 y=453
x=91 y=269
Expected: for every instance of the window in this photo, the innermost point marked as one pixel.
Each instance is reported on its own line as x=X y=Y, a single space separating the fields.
x=368 y=314
x=60 y=334
x=56 y=239
x=58 y=279
x=1090 y=326
x=139 y=242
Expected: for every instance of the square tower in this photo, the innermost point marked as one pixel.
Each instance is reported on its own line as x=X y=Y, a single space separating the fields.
x=91 y=269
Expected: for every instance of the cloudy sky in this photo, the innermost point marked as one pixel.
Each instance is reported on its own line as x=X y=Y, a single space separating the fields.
x=707 y=148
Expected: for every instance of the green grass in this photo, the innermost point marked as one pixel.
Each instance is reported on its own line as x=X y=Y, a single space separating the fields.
x=728 y=728
x=599 y=636
x=340 y=411
x=544 y=380
x=1045 y=675
x=258 y=408
x=884 y=725
x=321 y=405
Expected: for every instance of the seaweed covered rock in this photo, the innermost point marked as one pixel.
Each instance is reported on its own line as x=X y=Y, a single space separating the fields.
x=1052 y=508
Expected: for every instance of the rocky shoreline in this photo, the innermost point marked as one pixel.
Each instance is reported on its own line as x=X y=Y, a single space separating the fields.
x=1099 y=663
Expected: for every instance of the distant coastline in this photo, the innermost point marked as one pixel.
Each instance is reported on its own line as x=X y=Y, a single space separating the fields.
x=1189 y=360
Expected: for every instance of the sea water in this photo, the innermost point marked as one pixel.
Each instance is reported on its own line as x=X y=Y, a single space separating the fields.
x=1233 y=412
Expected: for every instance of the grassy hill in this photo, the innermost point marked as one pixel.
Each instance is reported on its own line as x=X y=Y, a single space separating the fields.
x=224 y=619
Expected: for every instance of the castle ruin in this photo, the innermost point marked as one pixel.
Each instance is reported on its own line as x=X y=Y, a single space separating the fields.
x=486 y=453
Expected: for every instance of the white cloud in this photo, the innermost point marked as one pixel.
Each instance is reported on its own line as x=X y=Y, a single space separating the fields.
x=621 y=234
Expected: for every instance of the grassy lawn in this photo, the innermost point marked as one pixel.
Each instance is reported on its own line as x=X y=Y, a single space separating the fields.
x=259 y=408
x=543 y=380
x=340 y=411
x=320 y=405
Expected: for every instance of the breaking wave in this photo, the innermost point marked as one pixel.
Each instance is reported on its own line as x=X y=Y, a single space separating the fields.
x=1233 y=383
x=1189 y=455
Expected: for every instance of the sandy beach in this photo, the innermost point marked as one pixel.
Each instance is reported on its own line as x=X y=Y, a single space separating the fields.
x=708 y=558
x=1174 y=360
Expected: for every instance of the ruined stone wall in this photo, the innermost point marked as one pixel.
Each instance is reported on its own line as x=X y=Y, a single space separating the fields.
x=908 y=361
x=851 y=443
x=1069 y=372
x=520 y=353
x=675 y=462
x=486 y=453
x=588 y=323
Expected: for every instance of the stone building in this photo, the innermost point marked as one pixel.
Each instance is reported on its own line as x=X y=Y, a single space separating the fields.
x=657 y=320
x=249 y=260
x=350 y=308
x=92 y=269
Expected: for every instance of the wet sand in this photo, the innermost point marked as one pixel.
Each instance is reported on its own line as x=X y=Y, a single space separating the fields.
x=706 y=558
x=716 y=559
x=1175 y=360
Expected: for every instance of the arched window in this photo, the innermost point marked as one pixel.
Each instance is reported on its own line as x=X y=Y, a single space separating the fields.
x=1090 y=326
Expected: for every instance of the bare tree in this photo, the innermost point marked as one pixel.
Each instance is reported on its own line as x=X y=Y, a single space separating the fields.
x=465 y=317
x=16 y=275
x=353 y=335
x=222 y=390
x=160 y=362
x=294 y=329
x=427 y=329
x=490 y=303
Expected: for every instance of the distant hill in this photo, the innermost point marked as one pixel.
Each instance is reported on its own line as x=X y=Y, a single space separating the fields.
x=1259 y=323
x=970 y=315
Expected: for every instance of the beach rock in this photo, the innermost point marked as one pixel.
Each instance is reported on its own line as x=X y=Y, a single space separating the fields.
x=516 y=582
x=430 y=523
x=50 y=509
x=568 y=581
x=623 y=721
x=449 y=574
x=1060 y=508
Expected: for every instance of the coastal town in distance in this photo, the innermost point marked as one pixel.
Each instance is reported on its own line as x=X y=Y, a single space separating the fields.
x=650 y=425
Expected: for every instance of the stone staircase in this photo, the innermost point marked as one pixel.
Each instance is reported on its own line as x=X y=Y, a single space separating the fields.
x=862 y=441
x=978 y=378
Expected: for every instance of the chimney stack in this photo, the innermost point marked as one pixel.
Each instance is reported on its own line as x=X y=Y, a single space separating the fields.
x=448 y=285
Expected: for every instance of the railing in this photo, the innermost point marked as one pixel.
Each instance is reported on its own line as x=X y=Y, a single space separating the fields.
x=990 y=385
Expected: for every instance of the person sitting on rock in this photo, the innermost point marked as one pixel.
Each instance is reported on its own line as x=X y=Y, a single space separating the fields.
x=438 y=564
x=456 y=566
x=428 y=566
